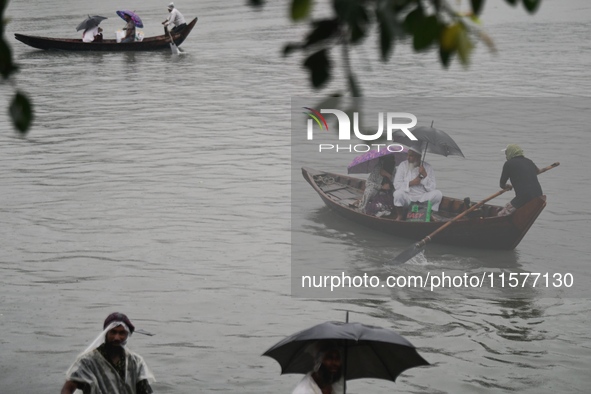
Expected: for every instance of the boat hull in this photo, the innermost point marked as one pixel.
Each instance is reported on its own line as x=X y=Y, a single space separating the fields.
x=65 y=44
x=482 y=229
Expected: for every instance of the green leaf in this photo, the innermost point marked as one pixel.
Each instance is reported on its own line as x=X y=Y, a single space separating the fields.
x=256 y=3
x=300 y=9
x=445 y=56
x=319 y=66
x=353 y=86
x=449 y=37
x=291 y=47
x=464 y=47
x=323 y=30
x=426 y=33
x=21 y=112
x=7 y=67
x=386 y=33
x=531 y=5
x=413 y=20
x=477 y=6
x=512 y=2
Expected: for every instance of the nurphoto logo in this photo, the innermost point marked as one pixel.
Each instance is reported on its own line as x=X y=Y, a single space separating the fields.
x=392 y=120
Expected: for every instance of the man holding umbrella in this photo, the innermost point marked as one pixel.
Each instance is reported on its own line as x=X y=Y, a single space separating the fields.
x=415 y=181
x=327 y=376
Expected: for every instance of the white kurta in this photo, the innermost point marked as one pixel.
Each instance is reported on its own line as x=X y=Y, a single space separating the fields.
x=88 y=35
x=425 y=191
x=308 y=386
x=175 y=18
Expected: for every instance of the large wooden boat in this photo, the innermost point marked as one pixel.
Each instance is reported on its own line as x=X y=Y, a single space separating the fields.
x=481 y=228
x=71 y=44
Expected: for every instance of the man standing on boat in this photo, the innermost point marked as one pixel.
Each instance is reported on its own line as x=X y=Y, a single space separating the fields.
x=523 y=174
x=327 y=376
x=175 y=18
x=107 y=366
x=415 y=181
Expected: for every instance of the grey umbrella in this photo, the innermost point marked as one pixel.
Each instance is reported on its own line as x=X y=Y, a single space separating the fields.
x=370 y=352
x=90 y=22
x=433 y=140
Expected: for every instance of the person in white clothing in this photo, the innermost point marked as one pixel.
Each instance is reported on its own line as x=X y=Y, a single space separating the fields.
x=327 y=376
x=415 y=181
x=176 y=19
x=107 y=366
x=94 y=34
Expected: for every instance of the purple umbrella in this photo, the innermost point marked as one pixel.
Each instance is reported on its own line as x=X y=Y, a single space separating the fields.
x=136 y=19
x=363 y=164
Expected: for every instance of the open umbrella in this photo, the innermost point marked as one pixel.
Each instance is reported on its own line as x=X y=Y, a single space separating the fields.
x=363 y=164
x=90 y=22
x=370 y=352
x=136 y=19
x=433 y=140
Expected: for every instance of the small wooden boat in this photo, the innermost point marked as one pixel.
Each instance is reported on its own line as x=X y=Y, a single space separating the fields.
x=70 y=44
x=481 y=228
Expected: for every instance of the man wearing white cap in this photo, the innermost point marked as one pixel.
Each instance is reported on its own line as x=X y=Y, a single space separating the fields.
x=415 y=181
x=175 y=18
x=107 y=366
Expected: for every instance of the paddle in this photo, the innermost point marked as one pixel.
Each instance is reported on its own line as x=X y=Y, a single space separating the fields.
x=418 y=247
x=173 y=47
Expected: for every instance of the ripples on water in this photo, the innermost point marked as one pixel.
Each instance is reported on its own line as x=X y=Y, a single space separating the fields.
x=161 y=187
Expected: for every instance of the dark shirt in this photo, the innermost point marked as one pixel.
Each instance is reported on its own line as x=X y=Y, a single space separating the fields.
x=523 y=174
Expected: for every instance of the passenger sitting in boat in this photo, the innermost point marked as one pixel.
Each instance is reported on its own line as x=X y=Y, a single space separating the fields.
x=129 y=29
x=523 y=174
x=94 y=34
x=415 y=181
x=375 y=181
x=175 y=18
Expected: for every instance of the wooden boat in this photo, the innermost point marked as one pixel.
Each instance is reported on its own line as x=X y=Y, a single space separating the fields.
x=70 y=44
x=481 y=228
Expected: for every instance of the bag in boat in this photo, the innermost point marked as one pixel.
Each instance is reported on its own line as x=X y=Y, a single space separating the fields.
x=419 y=212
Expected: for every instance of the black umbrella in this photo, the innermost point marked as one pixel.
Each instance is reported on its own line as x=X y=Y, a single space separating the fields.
x=90 y=22
x=432 y=140
x=370 y=352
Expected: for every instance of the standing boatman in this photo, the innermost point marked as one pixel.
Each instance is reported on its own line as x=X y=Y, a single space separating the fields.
x=175 y=18
x=523 y=174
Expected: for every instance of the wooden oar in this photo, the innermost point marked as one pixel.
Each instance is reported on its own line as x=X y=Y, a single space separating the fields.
x=173 y=47
x=418 y=247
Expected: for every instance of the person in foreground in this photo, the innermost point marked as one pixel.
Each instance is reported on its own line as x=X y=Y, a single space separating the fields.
x=175 y=18
x=107 y=366
x=523 y=174
x=327 y=376
x=129 y=29
x=415 y=181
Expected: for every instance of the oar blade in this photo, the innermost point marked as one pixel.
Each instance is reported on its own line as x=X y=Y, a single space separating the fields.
x=174 y=49
x=408 y=253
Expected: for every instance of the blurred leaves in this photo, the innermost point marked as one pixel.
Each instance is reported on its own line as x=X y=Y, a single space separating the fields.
x=432 y=24
x=20 y=108
x=21 y=111
x=319 y=66
x=256 y=3
x=300 y=9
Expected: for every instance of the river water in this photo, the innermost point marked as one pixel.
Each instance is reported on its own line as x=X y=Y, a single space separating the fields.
x=161 y=187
